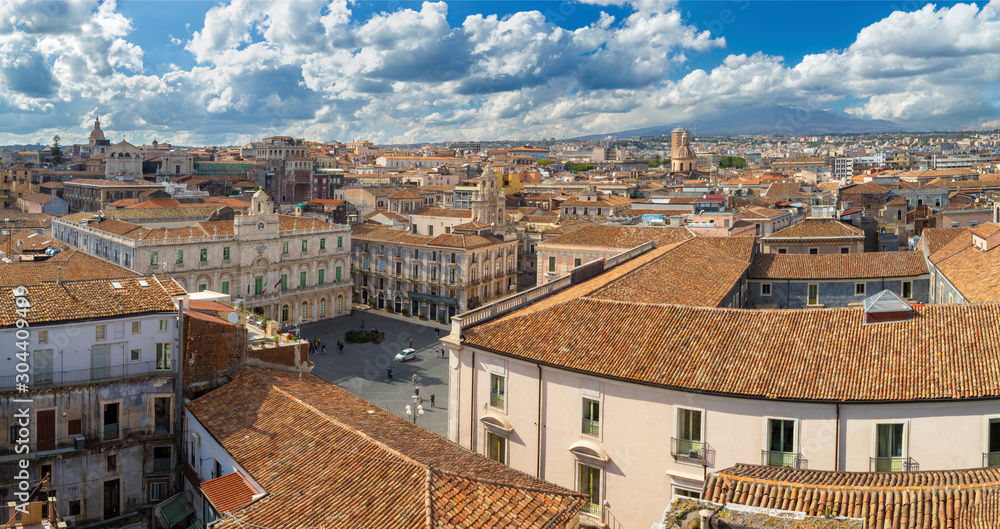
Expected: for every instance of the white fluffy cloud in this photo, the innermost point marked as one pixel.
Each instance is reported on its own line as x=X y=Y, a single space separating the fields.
x=314 y=68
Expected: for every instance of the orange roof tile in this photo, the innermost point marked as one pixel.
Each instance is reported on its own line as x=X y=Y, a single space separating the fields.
x=322 y=453
x=228 y=493
x=838 y=266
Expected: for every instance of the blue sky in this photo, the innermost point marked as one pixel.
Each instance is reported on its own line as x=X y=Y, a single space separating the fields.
x=195 y=73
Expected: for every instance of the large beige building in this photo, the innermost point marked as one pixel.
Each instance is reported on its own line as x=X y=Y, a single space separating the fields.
x=290 y=269
x=606 y=382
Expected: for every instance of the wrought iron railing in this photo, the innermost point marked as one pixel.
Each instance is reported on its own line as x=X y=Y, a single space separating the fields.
x=496 y=400
x=690 y=450
x=780 y=459
x=127 y=370
x=591 y=427
x=893 y=464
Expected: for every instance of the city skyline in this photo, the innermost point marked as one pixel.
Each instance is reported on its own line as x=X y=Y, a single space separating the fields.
x=197 y=73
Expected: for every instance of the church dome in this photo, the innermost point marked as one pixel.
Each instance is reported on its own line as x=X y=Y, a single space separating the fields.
x=97 y=133
x=683 y=152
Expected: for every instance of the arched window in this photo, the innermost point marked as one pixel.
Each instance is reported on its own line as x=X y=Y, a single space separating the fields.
x=284 y=313
x=305 y=310
x=340 y=303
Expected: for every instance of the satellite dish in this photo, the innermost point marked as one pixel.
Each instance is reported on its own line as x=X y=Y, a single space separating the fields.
x=233 y=318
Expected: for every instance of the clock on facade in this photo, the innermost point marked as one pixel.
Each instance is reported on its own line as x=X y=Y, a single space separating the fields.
x=260 y=226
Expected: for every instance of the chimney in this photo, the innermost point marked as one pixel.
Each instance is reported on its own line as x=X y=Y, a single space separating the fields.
x=58 y=275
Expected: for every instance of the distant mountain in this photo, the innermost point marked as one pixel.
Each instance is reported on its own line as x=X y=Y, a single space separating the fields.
x=774 y=119
x=15 y=148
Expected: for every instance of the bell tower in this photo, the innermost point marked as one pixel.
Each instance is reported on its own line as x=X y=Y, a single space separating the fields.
x=261 y=222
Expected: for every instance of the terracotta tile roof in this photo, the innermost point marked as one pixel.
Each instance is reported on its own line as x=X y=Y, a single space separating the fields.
x=289 y=223
x=975 y=273
x=442 y=212
x=142 y=212
x=622 y=237
x=943 y=352
x=757 y=212
x=467 y=241
x=868 y=188
x=20 y=220
x=935 y=173
x=812 y=228
x=603 y=201
x=111 y=183
x=472 y=226
x=838 y=266
x=828 y=186
x=404 y=194
x=379 y=233
x=986 y=230
x=936 y=238
x=698 y=272
x=228 y=493
x=391 y=215
x=52 y=184
x=959 y=498
x=88 y=299
x=38 y=198
x=786 y=189
x=71 y=265
x=898 y=201
x=322 y=453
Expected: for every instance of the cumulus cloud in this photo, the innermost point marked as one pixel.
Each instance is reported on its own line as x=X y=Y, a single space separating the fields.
x=314 y=68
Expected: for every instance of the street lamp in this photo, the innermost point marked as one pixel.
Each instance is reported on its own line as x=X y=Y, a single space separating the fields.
x=415 y=411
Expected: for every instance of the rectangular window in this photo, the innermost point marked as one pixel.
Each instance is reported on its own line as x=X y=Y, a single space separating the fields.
x=110 y=421
x=179 y=259
x=135 y=355
x=284 y=282
x=305 y=245
x=552 y=264
x=497 y=383
x=118 y=330
x=225 y=253
x=136 y=327
x=782 y=250
x=163 y=356
x=496 y=448
x=157 y=491
x=225 y=287
x=102 y=331
x=993 y=444
x=765 y=289
x=111 y=463
x=845 y=250
x=203 y=255
x=320 y=276
x=163 y=325
x=337 y=274
x=322 y=244
x=889 y=447
x=430 y=230
x=43 y=337
x=576 y=262
x=690 y=441
x=907 y=289
x=859 y=289
x=340 y=242
x=685 y=493
x=43 y=366
x=591 y=417
x=284 y=247
x=153 y=259
x=302 y=279
x=434 y=273
x=813 y=251
x=162 y=459
x=813 y=294
x=781 y=443
x=590 y=484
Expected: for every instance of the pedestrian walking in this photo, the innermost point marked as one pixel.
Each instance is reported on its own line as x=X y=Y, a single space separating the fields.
x=389 y=372
x=416 y=391
x=411 y=342
x=324 y=348
x=414 y=378
x=437 y=332
x=432 y=400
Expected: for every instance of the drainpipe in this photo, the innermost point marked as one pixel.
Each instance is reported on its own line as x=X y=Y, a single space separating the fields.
x=472 y=408
x=538 y=452
x=179 y=397
x=836 y=442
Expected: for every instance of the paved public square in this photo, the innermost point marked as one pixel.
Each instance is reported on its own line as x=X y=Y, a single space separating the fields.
x=362 y=368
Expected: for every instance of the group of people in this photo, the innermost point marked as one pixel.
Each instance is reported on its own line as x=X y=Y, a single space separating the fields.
x=316 y=346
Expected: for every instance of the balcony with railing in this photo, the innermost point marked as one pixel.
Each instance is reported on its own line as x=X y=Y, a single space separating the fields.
x=591 y=427
x=50 y=379
x=109 y=435
x=991 y=459
x=893 y=464
x=692 y=451
x=773 y=458
x=496 y=400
